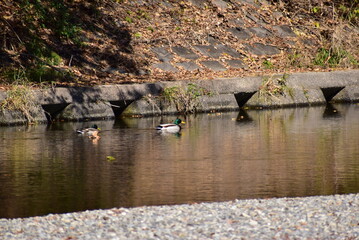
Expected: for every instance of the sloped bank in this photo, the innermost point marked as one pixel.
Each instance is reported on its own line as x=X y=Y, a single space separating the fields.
x=137 y=100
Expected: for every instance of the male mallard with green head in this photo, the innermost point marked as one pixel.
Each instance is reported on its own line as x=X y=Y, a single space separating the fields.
x=91 y=132
x=170 y=127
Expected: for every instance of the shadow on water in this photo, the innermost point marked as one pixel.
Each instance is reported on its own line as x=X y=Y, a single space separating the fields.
x=243 y=117
x=331 y=112
x=217 y=157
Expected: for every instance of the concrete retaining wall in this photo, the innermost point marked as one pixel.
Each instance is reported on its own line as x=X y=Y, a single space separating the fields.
x=110 y=101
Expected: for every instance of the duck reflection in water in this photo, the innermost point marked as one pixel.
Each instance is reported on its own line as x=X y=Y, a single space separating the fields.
x=243 y=117
x=331 y=112
x=92 y=132
x=167 y=134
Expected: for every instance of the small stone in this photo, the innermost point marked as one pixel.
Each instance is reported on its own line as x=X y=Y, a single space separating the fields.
x=214 y=65
x=189 y=66
x=284 y=31
x=185 y=53
x=240 y=33
x=224 y=49
x=163 y=54
x=235 y=63
x=220 y=4
x=260 y=32
x=253 y=18
x=165 y=67
x=198 y=3
x=261 y=49
x=238 y=22
x=208 y=50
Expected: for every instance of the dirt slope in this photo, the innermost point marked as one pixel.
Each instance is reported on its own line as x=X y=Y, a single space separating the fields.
x=77 y=43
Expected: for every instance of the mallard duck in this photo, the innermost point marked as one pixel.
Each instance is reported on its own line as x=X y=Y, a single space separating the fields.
x=171 y=127
x=91 y=132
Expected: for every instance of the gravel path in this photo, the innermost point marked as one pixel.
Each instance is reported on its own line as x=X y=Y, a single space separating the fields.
x=322 y=217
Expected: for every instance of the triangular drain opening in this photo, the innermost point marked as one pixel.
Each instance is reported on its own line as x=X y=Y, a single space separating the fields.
x=330 y=92
x=243 y=97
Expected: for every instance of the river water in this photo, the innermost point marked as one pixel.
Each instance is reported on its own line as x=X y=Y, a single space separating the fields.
x=217 y=157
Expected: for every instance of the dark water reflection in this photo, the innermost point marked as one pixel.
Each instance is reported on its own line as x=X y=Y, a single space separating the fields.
x=217 y=157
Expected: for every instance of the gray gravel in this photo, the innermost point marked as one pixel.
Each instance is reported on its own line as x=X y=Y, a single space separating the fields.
x=322 y=217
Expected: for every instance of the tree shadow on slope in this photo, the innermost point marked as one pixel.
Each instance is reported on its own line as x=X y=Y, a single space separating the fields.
x=69 y=42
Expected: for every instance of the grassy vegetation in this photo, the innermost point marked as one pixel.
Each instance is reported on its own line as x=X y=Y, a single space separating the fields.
x=335 y=25
x=41 y=19
x=273 y=87
x=186 y=100
x=20 y=98
x=268 y=64
x=53 y=15
x=349 y=11
x=333 y=57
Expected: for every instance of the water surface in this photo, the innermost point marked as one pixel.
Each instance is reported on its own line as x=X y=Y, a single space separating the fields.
x=217 y=157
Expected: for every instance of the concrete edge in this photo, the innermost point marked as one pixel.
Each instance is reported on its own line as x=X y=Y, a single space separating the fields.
x=109 y=101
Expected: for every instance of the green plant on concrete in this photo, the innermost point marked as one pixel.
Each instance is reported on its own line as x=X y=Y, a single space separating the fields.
x=20 y=98
x=186 y=100
x=306 y=93
x=274 y=87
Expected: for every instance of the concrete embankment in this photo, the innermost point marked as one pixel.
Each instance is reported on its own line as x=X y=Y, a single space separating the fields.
x=111 y=101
